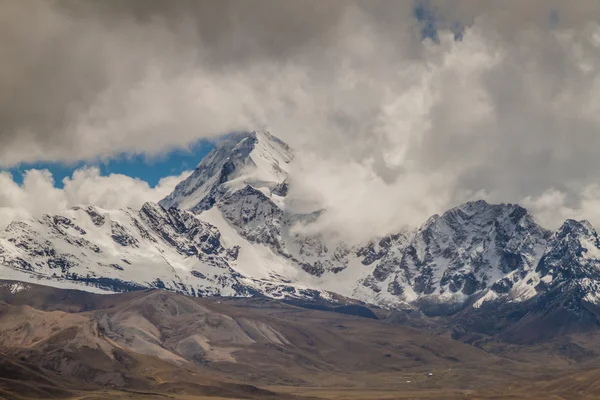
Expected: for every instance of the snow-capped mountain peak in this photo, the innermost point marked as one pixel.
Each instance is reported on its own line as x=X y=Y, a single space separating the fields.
x=256 y=159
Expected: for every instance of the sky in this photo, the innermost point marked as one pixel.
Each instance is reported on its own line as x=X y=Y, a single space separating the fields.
x=147 y=169
x=397 y=109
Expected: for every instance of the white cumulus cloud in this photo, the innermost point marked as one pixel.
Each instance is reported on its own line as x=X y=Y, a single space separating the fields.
x=38 y=193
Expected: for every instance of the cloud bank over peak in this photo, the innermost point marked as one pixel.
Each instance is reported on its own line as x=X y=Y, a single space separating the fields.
x=390 y=127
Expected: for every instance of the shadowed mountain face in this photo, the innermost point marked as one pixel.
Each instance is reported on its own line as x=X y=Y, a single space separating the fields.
x=73 y=344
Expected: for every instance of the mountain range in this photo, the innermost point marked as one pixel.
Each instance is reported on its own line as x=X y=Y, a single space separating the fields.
x=230 y=230
x=224 y=290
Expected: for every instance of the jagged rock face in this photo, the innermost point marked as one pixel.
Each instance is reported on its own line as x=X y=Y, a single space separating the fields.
x=386 y=253
x=256 y=216
x=183 y=231
x=464 y=251
x=572 y=253
x=572 y=260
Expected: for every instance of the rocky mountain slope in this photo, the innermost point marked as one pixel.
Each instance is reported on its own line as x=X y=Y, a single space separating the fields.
x=467 y=250
x=121 y=250
x=228 y=230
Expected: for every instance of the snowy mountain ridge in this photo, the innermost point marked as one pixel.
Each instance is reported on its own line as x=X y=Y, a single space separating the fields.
x=225 y=231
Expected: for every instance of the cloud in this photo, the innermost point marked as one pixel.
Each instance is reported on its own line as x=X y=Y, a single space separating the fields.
x=87 y=79
x=389 y=128
x=485 y=117
x=38 y=194
x=553 y=206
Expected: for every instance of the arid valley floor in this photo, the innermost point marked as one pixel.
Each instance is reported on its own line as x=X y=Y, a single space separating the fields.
x=158 y=345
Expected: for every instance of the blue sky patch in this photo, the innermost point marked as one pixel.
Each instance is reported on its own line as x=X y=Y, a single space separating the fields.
x=148 y=169
x=430 y=22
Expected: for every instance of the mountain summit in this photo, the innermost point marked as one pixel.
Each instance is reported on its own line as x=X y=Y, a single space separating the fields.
x=256 y=159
